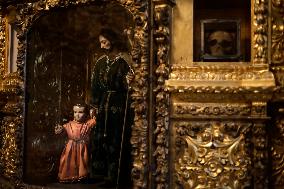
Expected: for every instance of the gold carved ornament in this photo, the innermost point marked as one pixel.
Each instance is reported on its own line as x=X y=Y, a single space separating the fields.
x=277 y=66
x=162 y=15
x=11 y=154
x=211 y=109
x=260 y=32
x=2 y=47
x=212 y=154
x=260 y=155
x=277 y=41
x=277 y=32
x=28 y=13
x=277 y=154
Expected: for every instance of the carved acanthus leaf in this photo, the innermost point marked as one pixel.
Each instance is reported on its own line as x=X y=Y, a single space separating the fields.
x=212 y=154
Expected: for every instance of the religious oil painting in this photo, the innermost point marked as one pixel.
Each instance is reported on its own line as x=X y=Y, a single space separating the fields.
x=78 y=115
x=220 y=40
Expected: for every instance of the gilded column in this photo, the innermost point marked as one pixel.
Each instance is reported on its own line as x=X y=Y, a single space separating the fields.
x=139 y=87
x=162 y=15
x=277 y=151
x=2 y=46
x=277 y=51
x=12 y=128
x=277 y=40
x=276 y=130
x=260 y=145
x=2 y=71
x=260 y=32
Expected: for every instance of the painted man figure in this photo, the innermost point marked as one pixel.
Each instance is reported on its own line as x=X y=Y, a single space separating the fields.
x=110 y=78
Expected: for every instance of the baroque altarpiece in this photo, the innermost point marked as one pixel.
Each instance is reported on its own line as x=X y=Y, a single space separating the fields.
x=207 y=89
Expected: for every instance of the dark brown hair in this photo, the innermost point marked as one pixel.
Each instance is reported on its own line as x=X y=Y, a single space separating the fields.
x=86 y=107
x=117 y=41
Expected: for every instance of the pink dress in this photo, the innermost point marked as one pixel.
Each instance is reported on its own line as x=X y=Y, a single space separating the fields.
x=74 y=158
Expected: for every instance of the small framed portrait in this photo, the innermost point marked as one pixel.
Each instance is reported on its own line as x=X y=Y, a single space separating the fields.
x=220 y=40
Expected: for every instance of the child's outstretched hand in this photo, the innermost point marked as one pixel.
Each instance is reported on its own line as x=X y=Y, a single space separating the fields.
x=58 y=129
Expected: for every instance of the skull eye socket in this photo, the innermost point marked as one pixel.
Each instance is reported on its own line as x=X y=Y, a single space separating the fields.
x=212 y=42
x=226 y=43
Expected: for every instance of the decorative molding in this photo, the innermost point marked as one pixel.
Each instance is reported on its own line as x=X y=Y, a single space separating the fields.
x=212 y=154
x=227 y=80
x=279 y=75
x=2 y=46
x=266 y=92
x=277 y=153
x=140 y=56
x=12 y=83
x=162 y=16
x=277 y=41
x=222 y=72
x=211 y=109
x=260 y=32
x=260 y=155
x=12 y=154
x=259 y=109
x=277 y=46
x=28 y=13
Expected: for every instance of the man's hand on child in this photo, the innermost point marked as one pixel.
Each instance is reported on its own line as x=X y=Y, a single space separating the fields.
x=129 y=77
x=58 y=129
x=93 y=113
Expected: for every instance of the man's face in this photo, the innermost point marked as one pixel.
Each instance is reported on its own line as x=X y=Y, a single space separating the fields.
x=105 y=43
x=79 y=113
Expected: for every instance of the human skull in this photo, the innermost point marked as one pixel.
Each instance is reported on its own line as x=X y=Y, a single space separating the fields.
x=220 y=43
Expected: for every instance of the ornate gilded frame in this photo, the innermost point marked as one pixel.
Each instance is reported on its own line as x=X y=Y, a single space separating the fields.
x=12 y=128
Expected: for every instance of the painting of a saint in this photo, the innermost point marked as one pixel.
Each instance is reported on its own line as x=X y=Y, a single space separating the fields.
x=81 y=57
x=110 y=97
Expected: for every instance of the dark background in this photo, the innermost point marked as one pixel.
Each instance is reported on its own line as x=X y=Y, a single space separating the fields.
x=62 y=48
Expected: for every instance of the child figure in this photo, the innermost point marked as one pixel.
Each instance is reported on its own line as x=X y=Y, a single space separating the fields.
x=74 y=158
